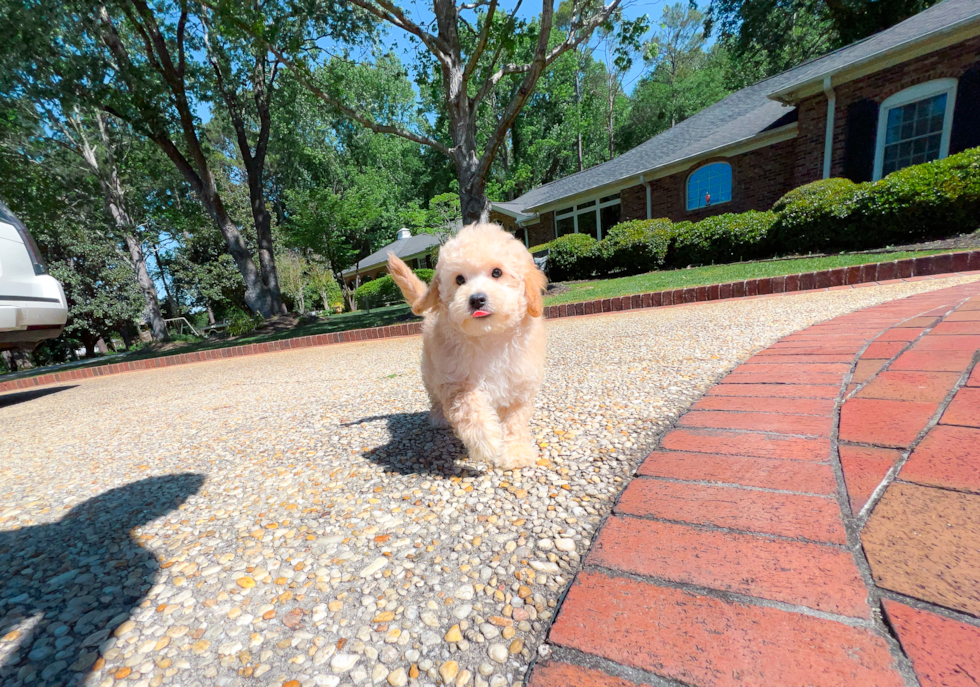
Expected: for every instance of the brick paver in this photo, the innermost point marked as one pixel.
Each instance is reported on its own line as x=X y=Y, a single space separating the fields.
x=735 y=556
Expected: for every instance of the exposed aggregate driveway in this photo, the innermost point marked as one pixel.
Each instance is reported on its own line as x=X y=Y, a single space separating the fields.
x=291 y=519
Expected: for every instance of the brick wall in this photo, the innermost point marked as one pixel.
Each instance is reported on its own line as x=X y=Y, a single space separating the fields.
x=945 y=63
x=543 y=231
x=759 y=178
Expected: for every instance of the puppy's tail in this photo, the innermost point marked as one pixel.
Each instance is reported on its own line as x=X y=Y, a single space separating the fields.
x=415 y=291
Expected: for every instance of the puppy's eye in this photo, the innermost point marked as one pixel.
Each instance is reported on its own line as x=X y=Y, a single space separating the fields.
x=460 y=279
x=496 y=274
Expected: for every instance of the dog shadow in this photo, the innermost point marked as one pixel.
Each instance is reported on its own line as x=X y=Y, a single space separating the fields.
x=66 y=586
x=412 y=447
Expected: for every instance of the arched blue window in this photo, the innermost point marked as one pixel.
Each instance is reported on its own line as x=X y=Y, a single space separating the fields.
x=709 y=185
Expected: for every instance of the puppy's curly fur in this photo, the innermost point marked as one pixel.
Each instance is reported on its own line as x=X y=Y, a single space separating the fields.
x=483 y=341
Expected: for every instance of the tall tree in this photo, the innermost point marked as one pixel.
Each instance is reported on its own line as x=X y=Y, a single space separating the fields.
x=143 y=64
x=681 y=78
x=766 y=37
x=470 y=45
x=622 y=41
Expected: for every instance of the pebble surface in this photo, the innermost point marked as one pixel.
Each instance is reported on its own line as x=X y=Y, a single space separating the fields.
x=291 y=519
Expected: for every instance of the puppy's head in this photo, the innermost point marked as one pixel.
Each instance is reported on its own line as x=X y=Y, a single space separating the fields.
x=487 y=280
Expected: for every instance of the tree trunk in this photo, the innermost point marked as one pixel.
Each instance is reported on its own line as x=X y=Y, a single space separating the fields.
x=210 y=314
x=578 y=110
x=166 y=287
x=472 y=193
x=323 y=297
x=157 y=326
x=263 y=230
x=113 y=198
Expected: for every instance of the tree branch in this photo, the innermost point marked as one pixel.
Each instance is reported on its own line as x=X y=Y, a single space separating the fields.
x=481 y=43
x=542 y=58
x=306 y=79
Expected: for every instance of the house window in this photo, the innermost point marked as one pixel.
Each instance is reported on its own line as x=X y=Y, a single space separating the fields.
x=914 y=126
x=593 y=217
x=709 y=185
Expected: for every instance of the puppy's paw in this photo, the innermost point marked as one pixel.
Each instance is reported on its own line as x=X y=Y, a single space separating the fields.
x=517 y=455
x=437 y=419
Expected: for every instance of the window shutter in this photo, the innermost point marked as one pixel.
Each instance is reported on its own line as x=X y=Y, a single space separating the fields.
x=859 y=144
x=966 y=113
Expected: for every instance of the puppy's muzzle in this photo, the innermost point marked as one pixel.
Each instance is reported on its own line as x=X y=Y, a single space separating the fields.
x=478 y=305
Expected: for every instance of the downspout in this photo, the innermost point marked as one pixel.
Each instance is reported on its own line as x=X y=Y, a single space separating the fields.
x=649 y=197
x=828 y=143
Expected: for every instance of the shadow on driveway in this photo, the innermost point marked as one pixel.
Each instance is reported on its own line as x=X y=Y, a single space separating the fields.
x=25 y=396
x=66 y=586
x=416 y=447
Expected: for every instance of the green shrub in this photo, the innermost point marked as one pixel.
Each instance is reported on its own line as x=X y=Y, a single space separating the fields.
x=637 y=246
x=383 y=290
x=575 y=256
x=540 y=247
x=815 y=218
x=722 y=239
x=932 y=200
x=929 y=201
x=241 y=322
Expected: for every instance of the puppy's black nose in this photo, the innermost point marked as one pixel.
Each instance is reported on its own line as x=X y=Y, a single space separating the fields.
x=478 y=301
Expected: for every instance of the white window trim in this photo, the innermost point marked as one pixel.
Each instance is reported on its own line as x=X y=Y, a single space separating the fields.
x=574 y=212
x=910 y=95
x=687 y=182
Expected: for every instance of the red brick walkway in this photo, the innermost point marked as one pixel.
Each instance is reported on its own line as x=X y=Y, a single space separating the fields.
x=813 y=520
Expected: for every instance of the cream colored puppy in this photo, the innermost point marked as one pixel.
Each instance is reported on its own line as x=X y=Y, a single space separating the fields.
x=482 y=341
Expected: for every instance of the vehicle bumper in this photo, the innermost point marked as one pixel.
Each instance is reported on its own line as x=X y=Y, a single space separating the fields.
x=31 y=319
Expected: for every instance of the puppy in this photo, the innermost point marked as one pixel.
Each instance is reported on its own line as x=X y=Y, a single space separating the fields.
x=483 y=341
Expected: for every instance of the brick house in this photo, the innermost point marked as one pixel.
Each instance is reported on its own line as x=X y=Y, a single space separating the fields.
x=903 y=96
x=415 y=250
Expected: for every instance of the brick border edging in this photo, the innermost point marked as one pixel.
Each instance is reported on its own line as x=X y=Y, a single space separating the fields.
x=929 y=265
x=945 y=263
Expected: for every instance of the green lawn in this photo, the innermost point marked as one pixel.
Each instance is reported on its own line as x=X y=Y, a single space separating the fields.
x=715 y=274
x=579 y=291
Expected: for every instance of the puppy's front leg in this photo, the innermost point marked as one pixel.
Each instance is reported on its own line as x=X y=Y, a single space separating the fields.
x=477 y=425
x=520 y=451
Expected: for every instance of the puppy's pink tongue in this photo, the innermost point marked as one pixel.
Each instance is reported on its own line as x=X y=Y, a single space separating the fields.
x=481 y=313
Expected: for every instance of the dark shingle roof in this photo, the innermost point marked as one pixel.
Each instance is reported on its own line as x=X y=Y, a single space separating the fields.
x=401 y=248
x=745 y=113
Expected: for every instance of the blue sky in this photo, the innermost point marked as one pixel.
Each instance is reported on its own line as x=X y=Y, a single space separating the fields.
x=529 y=9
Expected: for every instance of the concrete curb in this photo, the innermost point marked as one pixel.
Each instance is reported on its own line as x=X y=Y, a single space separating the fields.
x=897 y=270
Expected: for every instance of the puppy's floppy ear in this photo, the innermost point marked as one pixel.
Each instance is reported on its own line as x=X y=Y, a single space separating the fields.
x=534 y=283
x=420 y=297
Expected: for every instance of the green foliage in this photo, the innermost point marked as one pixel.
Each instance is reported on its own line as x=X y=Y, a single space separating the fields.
x=682 y=78
x=932 y=200
x=539 y=248
x=637 y=246
x=241 y=322
x=918 y=203
x=383 y=290
x=575 y=256
x=722 y=239
x=814 y=217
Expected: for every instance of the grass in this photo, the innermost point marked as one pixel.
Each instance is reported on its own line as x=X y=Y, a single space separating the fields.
x=574 y=292
x=714 y=274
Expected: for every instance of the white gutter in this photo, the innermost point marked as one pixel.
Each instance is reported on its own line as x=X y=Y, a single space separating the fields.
x=649 y=197
x=785 y=132
x=828 y=142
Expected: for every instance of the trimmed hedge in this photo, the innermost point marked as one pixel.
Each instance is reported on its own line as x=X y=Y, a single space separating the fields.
x=575 y=256
x=923 y=202
x=722 y=239
x=384 y=291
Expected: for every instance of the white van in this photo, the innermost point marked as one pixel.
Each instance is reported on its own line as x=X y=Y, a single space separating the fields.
x=32 y=303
